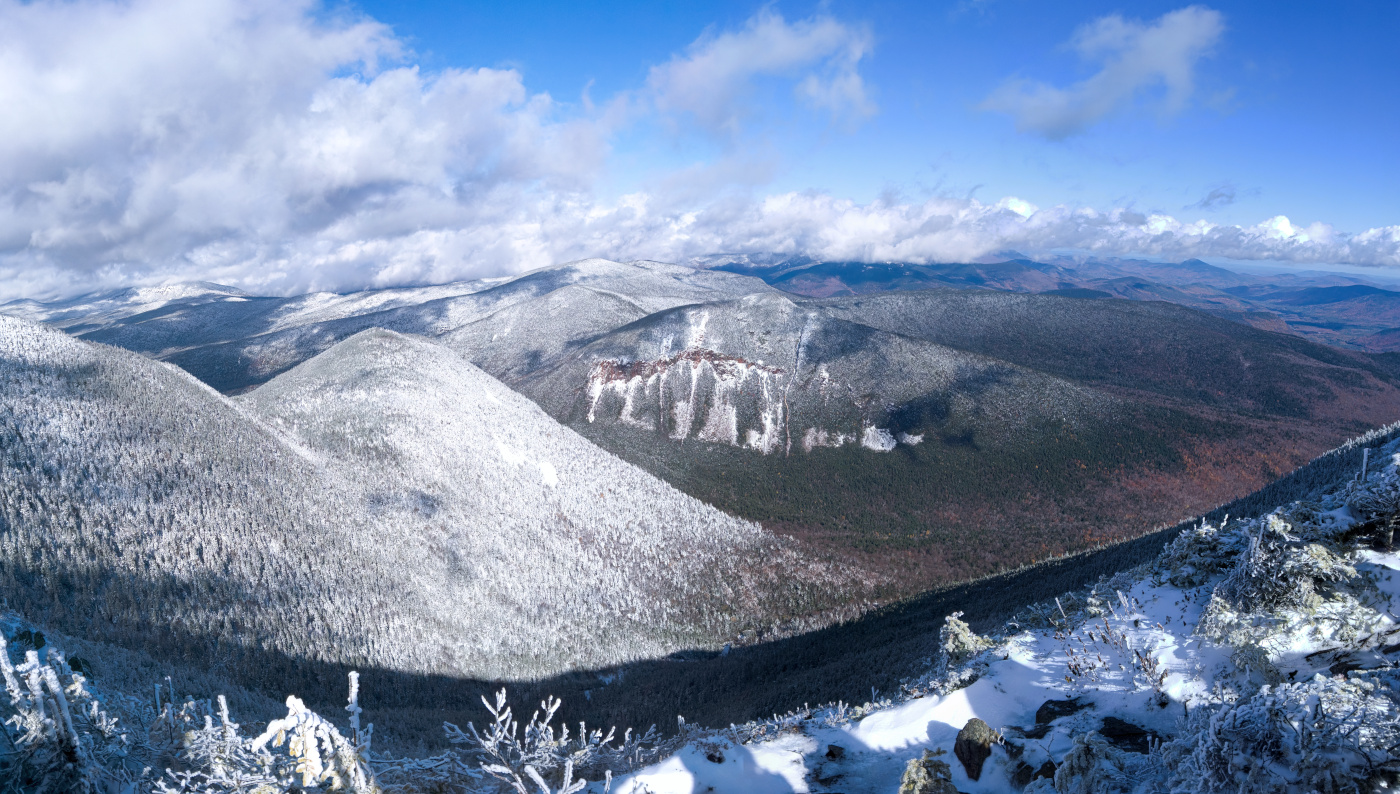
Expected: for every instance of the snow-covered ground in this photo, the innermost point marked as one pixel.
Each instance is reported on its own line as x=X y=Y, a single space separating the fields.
x=1237 y=632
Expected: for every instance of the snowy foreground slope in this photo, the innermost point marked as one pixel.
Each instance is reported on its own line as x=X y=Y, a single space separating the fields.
x=1250 y=656
x=1257 y=655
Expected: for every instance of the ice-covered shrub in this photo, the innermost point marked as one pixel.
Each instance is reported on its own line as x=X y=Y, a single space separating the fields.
x=1378 y=499
x=1278 y=572
x=1093 y=766
x=959 y=650
x=1197 y=554
x=551 y=758
x=1325 y=735
x=61 y=739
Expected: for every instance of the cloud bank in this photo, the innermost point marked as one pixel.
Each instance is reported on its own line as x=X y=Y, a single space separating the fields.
x=273 y=147
x=1136 y=59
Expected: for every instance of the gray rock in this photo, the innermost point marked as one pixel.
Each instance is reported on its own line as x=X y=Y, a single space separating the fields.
x=974 y=745
x=1127 y=736
x=1022 y=775
x=1052 y=710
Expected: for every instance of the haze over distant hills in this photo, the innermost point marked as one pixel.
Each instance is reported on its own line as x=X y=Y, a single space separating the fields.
x=924 y=423
x=1333 y=308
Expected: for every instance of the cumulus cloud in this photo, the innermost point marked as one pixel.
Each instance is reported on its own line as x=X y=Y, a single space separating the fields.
x=708 y=81
x=265 y=145
x=1153 y=61
x=236 y=136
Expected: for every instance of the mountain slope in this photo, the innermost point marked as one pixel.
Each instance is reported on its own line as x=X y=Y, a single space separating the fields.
x=1156 y=348
x=524 y=336
x=435 y=523
x=468 y=466
x=945 y=434
x=140 y=507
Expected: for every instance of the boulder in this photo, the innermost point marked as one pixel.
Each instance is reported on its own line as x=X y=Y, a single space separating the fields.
x=1052 y=710
x=1126 y=736
x=1022 y=775
x=974 y=745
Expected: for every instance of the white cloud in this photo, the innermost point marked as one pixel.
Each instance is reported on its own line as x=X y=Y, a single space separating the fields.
x=710 y=79
x=255 y=144
x=1157 y=59
x=156 y=136
x=954 y=230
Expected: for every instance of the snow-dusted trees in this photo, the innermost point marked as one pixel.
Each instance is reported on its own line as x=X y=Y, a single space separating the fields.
x=64 y=735
x=387 y=507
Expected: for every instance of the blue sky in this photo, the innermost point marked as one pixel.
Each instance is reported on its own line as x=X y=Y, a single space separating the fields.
x=285 y=146
x=1295 y=111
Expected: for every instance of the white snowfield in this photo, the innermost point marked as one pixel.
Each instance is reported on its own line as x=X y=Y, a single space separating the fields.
x=1257 y=657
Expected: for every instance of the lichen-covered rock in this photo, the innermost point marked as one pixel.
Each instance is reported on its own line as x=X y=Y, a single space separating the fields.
x=927 y=775
x=974 y=745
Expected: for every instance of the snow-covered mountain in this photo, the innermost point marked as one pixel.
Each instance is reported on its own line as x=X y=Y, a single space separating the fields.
x=902 y=431
x=385 y=505
x=1250 y=655
x=947 y=433
x=525 y=529
x=233 y=341
x=769 y=375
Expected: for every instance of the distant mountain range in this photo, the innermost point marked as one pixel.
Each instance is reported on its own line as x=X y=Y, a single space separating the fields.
x=921 y=423
x=1332 y=308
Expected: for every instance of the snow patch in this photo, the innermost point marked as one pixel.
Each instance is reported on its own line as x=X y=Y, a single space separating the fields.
x=548 y=475
x=510 y=454
x=878 y=439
